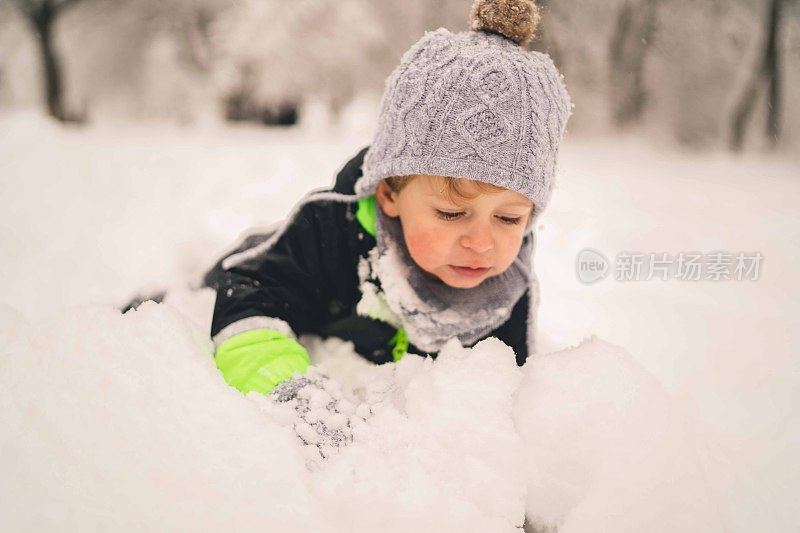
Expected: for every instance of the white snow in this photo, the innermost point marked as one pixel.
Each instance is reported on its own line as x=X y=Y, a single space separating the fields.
x=608 y=450
x=683 y=417
x=123 y=422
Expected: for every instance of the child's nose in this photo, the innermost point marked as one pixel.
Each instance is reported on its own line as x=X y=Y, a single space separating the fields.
x=478 y=238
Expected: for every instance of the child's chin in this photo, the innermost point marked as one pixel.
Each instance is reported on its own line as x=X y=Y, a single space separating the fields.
x=455 y=281
x=463 y=283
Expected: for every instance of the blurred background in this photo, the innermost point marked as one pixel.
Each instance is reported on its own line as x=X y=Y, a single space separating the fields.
x=140 y=139
x=701 y=73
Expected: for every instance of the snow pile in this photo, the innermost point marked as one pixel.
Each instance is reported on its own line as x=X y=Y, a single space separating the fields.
x=440 y=452
x=123 y=421
x=607 y=449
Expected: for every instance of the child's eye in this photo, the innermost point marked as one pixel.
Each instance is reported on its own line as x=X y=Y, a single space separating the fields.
x=510 y=220
x=447 y=215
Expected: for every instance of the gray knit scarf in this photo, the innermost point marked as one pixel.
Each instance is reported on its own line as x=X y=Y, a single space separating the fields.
x=431 y=311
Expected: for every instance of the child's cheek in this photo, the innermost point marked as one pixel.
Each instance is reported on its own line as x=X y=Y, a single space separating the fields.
x=425 y=246
x=510 y=248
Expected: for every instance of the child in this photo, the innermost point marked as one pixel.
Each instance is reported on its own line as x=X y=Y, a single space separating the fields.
x=428 y=233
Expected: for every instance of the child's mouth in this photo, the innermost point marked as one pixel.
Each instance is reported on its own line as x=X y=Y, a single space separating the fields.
x=470 y=272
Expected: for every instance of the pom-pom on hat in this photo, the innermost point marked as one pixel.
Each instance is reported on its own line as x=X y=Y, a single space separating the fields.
x=515 y=19
x=474 y=105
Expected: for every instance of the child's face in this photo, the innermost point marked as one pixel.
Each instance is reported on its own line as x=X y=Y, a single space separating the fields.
x=460 y=244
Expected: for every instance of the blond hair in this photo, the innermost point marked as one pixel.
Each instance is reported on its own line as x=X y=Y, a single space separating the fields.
x=453 y=188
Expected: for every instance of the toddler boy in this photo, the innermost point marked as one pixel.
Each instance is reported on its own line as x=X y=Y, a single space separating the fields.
x=429 y=232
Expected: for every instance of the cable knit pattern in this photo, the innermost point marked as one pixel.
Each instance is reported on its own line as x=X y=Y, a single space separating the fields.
x=471 y=105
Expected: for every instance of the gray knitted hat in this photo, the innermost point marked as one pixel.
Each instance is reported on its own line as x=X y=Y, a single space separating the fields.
x=475 y=105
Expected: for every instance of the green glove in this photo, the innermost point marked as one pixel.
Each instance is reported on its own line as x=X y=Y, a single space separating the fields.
x=260 y=359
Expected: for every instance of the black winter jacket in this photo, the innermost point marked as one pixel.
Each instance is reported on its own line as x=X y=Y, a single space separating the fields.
x=309 y=279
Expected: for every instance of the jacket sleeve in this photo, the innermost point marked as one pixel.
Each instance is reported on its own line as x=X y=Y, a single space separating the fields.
x=260 y=359
x=264 y=302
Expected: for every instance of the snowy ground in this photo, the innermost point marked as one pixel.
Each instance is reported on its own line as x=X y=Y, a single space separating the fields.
x=92 y=216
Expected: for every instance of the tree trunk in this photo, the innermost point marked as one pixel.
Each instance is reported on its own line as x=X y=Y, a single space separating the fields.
x=767 y=70
x=43 y=22
x=197 y=29
x=636 y=26
x=772 y=70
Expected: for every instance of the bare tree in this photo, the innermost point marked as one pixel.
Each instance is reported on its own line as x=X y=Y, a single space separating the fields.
x=281 y=54
x=42 y=16
x=767 y=71
x=635 y=28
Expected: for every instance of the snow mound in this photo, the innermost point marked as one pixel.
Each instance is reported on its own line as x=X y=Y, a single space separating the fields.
x=607 y=448
x=123 y=422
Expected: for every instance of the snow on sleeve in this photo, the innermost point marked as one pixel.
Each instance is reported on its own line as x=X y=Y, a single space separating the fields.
x=607 y=449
